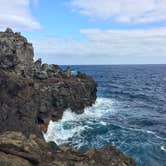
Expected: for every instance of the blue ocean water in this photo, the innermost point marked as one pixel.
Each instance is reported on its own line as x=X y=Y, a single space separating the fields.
x=130 y=113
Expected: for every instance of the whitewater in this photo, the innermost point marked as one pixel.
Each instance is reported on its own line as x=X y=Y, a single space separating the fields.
x=129 y=113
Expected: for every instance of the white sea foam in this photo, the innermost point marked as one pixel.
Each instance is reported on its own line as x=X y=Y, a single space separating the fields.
x=163 y=148
x=72 y=124
x=103 y=123
x=69 y=125
x=150 y=132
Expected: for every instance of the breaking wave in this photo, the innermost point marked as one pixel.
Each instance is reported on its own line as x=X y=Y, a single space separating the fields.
x=163 y=148
x=73 y=124
x=129 y=114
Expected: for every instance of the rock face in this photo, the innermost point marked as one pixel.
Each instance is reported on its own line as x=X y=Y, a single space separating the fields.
x=32 y=91
x=32 y=94
x=18 y=150
x=16 y=53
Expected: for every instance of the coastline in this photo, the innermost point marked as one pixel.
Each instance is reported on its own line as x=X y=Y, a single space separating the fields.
x=31 y=95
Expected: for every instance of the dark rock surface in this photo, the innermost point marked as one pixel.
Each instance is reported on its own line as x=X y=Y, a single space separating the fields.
x=18 y=150
x=31 y=90
x=15 y=52
x=32 y=94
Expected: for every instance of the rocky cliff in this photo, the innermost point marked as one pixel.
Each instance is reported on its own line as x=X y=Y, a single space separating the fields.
x=32 y=94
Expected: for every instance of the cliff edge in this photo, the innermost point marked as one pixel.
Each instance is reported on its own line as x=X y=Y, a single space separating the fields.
x=32 y=94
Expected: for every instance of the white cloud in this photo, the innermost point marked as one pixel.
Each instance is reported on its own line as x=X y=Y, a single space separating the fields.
x=105 y=44
x=124 y=11
x=17 y=14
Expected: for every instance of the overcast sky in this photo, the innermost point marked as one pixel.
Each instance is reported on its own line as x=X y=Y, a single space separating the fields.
x=90 y=31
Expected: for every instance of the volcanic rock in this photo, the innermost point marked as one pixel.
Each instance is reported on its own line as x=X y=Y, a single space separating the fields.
x=19 y=150
x=32 y=94
x=15 y=53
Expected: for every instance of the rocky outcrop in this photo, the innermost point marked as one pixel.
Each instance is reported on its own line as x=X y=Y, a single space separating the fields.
x=18 y=150
x=32 y=94
x=15 y=53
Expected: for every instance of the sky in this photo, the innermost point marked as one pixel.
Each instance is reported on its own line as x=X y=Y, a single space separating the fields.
x=90 y=31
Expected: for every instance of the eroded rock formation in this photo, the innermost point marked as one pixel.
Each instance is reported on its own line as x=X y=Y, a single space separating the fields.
x=31 y=91
x=32 y=94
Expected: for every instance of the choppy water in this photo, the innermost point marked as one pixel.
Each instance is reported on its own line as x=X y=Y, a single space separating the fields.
x=130 y=113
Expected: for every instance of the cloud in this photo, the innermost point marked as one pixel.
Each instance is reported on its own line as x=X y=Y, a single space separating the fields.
x=123 y=11
x=17 y=14
x=104 y=45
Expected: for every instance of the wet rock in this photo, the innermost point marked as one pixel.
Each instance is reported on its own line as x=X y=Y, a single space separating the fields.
x=52 y=147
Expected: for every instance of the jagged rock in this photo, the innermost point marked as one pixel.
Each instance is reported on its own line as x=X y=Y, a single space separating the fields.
x=7 y=61
x=16 y=53
x=9 y=30
x=43 y=93
x=44 y=71
x=32 y=151
x=42 y=75
x=54 y=71
x=32 y=94
x=38 y=64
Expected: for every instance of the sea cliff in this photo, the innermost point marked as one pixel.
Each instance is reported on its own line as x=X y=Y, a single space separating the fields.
x=32 y=94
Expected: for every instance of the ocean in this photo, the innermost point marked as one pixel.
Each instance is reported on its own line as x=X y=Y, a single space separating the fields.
x=130 y=114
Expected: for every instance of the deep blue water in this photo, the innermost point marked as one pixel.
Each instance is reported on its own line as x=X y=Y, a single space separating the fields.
x=130 y=113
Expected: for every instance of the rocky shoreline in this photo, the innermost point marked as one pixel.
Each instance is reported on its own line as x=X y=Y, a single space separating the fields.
x=32 y=94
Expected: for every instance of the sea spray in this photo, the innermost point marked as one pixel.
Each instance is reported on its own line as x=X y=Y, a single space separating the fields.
x=72 y=124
